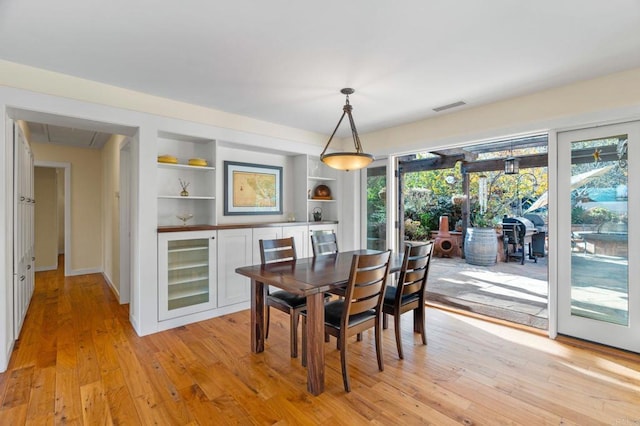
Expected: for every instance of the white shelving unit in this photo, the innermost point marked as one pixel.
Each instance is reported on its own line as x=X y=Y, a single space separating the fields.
x=320 y=174
x=201 y=180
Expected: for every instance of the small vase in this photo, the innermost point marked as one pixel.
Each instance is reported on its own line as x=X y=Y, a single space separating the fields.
x=184 y=193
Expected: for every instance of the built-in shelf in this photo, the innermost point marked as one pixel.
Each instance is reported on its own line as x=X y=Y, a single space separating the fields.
x=316 y=200
x=200 y=181
x=321 y=178
x=190 y=280
x=185 y=294
x=190 y=197
x=185 y=167
x=187 y=265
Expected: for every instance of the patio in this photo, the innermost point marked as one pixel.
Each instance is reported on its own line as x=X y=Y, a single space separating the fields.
x=508 y=291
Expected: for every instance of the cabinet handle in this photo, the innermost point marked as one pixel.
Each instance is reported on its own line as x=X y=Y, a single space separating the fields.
x=28 y=267
x=22 y=198
x=33 y=258
x=22 y=277
x=213 y=238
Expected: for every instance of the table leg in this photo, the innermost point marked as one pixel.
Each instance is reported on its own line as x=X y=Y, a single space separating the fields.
x=258 y=296
x=315 y=343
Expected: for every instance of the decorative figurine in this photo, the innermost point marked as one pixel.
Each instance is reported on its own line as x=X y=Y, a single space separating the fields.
x=184 y=184
x=184 y=217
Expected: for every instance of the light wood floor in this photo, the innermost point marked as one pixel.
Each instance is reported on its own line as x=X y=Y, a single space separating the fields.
x=78 y=361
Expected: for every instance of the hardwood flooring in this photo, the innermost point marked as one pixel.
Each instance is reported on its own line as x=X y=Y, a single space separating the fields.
x=78 y=361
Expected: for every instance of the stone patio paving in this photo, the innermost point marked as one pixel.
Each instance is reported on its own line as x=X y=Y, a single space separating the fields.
x=508 y=291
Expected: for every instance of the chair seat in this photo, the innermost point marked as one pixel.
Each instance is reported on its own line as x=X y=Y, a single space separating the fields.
x=333 y=314
x=290 y=299
x=390 y=296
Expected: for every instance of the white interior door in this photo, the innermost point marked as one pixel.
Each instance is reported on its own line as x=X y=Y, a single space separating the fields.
x=598 y=258
x=23 y=249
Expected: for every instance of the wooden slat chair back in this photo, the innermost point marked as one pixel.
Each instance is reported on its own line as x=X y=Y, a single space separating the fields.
x=360 y=310
x=282 y=250
x=278 y=250
x=324 y=243
x=410 y=292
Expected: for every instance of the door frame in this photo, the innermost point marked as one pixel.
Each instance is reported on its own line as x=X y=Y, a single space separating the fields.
x=124 y=198
x=391 y=192
x=593 y=330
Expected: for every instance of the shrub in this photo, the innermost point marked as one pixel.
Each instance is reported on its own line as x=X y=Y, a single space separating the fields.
x=414 y=231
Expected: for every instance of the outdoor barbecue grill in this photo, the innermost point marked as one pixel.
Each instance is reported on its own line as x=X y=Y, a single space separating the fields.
x=538 y=239
x=518 y=233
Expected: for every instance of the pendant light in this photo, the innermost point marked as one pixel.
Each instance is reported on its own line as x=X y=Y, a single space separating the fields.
x=511 y=164
x=347 y=160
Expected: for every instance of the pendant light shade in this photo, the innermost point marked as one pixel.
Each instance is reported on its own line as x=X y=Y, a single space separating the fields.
x=347 y=160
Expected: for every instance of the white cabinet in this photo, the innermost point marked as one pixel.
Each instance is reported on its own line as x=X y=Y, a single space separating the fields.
x=268 y=233
x=300 y=234
x=234 y=251
x=325 y=227
x=178 y=166
x=186 y=273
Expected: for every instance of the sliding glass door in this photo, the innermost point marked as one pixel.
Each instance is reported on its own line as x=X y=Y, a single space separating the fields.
x=598 y=196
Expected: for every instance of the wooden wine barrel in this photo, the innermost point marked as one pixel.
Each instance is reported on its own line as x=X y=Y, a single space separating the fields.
x=481 y=246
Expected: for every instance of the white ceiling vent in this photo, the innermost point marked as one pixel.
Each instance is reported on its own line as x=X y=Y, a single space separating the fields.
x=449 y=106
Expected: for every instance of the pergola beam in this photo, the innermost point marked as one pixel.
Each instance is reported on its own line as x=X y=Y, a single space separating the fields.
x=438 y=163
x=497 y=164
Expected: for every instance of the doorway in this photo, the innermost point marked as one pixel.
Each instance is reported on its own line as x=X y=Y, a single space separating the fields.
x=447 y=192
x=52 y=187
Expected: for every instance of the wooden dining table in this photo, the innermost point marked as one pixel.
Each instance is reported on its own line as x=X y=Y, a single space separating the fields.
x=310 y=277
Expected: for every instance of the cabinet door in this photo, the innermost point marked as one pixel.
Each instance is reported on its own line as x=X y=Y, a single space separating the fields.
x=300 y=235
x=269 y=233
x=234 y=251
x=186 y=273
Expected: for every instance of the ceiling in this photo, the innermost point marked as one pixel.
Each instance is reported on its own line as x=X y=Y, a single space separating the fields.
x=284 y=61
x=58 y=135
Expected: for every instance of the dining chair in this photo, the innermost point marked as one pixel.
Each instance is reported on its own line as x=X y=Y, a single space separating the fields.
x=410 y=292
x=324 y=243
x=282 y=250
x=360 y=310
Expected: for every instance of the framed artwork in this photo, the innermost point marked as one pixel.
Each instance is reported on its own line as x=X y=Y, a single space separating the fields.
x=252 y=189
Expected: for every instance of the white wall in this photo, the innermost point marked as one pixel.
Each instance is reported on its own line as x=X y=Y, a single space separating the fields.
x=612 y=97
x=60 y=191
x=46 y=218
x=111 y=211
x=254 y=157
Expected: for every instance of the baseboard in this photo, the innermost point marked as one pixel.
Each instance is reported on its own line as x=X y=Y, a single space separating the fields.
x=46 y=268
x=113 y=288
x=84 y=271
x=6 y=357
